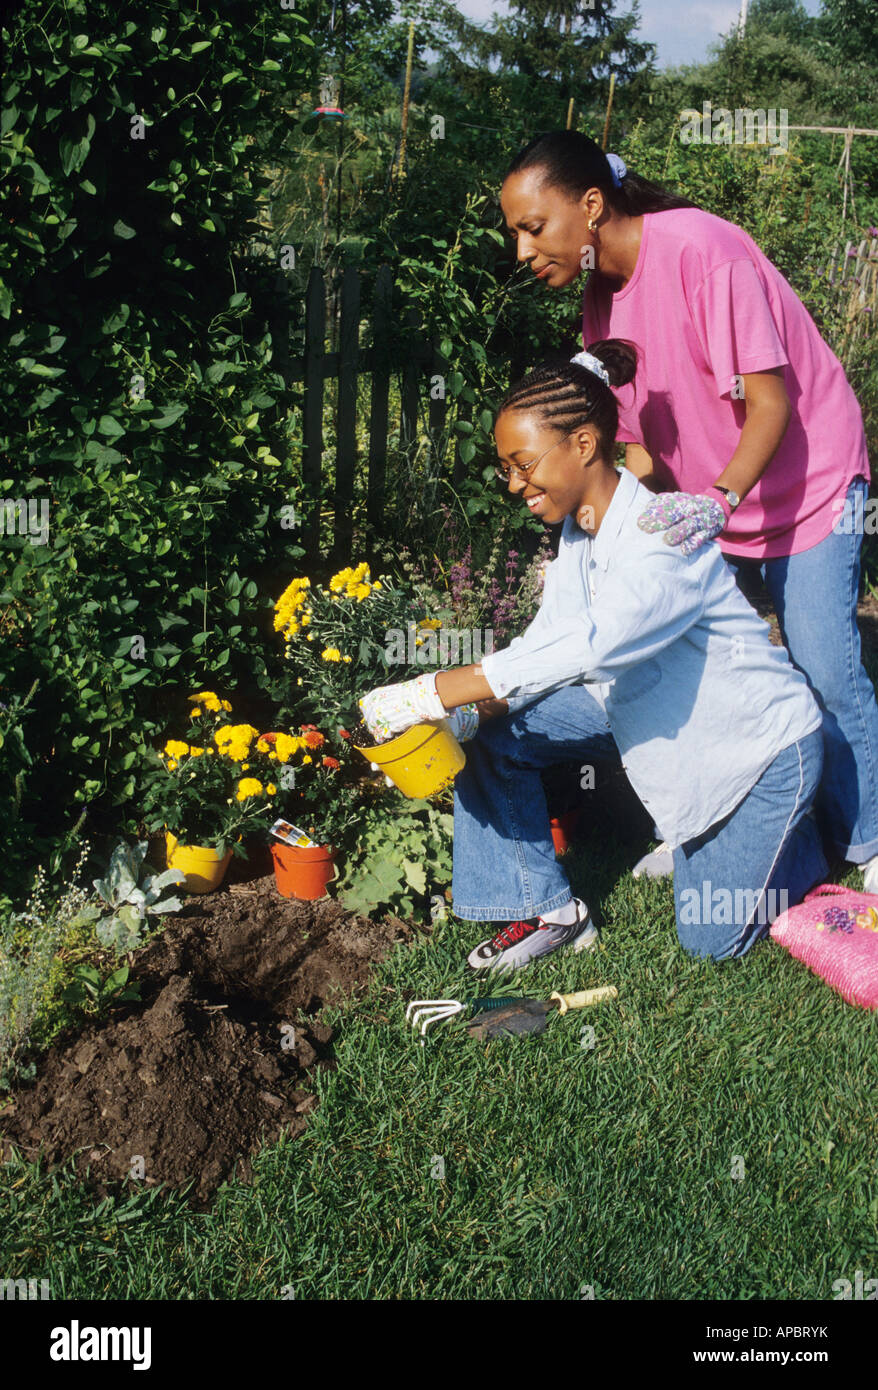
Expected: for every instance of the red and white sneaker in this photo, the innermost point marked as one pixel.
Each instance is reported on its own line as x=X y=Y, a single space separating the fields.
x=520 y=943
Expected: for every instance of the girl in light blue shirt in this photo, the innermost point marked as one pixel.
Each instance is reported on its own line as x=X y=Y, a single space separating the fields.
x=637 y=650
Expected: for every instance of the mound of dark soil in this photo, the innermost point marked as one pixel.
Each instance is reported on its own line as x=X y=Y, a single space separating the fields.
x=187 y=1084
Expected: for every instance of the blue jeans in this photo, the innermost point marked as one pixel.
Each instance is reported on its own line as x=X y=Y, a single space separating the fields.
x=815 y=598
x=504 y=860
x=731 y=882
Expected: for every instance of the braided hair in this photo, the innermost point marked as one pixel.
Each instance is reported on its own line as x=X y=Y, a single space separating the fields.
x=566 y=395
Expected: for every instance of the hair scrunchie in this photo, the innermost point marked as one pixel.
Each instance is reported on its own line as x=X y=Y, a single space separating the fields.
x=592 y=364
x=618 y=169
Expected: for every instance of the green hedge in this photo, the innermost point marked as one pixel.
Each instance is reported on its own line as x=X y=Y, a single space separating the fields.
x=138 y=394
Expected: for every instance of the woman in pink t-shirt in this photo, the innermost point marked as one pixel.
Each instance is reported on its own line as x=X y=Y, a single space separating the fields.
x=740 y=407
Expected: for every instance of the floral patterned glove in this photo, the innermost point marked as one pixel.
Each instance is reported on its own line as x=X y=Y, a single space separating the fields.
x=390 y=709
x=464 y=722
x=690 y=519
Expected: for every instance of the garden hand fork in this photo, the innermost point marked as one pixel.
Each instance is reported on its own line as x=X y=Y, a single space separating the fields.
x=517 y=1011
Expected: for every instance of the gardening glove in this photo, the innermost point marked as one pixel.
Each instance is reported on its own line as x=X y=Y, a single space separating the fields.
x=464 y=722
x=392 y=708
x=689 y=520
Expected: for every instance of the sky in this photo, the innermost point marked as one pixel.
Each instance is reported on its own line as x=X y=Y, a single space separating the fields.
x=682 y=29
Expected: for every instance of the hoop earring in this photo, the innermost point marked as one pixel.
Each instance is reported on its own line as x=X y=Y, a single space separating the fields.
x=592 y=225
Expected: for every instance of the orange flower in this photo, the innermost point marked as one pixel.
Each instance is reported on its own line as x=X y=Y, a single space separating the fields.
x=331 y=762
x=343 y=733
x=313 y=739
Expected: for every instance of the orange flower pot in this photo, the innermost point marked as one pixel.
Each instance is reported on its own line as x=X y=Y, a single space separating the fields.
x=303 y=871
x=563 y=828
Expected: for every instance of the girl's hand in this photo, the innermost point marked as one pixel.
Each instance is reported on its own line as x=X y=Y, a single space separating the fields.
x=690 y=519
x=392 y=708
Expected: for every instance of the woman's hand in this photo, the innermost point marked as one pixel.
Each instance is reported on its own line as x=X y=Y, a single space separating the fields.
x=690 y=520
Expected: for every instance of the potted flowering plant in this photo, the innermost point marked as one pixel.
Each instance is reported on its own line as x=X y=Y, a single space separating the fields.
x=317 y=796
x=351 y=635
x=346 y=636
x=199 y=791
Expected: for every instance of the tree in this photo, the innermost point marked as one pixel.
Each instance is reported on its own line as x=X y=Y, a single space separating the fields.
x=851 y=28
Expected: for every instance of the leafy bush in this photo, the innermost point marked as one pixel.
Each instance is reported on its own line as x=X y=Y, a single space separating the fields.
x=402 y=853
x=140 y=396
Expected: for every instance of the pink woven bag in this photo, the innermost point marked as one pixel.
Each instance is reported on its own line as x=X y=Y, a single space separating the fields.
x=837 y=939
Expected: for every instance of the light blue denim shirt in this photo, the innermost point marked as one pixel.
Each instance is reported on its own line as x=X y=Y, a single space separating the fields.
x=698 y=699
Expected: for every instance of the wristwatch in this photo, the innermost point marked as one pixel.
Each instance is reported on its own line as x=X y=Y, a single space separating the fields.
x=731 y=497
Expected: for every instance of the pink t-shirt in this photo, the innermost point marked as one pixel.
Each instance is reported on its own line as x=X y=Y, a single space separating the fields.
x=703 y=307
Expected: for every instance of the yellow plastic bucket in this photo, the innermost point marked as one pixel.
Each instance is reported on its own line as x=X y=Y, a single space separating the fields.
x=203 y=868
x=420 y=761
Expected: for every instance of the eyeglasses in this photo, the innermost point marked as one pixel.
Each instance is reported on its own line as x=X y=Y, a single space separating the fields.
x=505 y=473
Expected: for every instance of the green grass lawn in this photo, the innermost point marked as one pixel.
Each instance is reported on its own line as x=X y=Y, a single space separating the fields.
x=567 y=1167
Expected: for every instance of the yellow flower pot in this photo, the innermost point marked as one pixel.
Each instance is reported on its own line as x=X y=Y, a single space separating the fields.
x=203 y=868
x=420 y=761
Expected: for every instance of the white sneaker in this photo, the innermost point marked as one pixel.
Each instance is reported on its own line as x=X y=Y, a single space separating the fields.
x=519 y=943
x=870 y=874
x=659 y=863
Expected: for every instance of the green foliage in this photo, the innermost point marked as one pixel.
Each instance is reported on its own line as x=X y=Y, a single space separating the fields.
x=140 y=396
x=15 y=764
x=29 y=945
x=131 y=897
x=94 y=993
x=402 y=853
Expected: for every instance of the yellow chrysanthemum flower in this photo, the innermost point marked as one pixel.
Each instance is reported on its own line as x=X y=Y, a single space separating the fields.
x=196 y=710
x=271 y=789
x=195 y=752
x=285 y=746
x=171 y=765
x=248 y=786
x=262 y=746
x=346 y=658
x=307 y=758
x=241 y=735
x=176 y=749
x=331 y=654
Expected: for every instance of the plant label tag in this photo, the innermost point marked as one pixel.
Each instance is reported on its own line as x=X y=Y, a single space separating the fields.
x=292 y=835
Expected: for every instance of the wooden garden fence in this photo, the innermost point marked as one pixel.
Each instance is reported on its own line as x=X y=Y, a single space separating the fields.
x=402 y=350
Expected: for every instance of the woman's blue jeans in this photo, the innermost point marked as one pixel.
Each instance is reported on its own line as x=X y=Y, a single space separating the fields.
x=504 y=860
x=815 y=598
